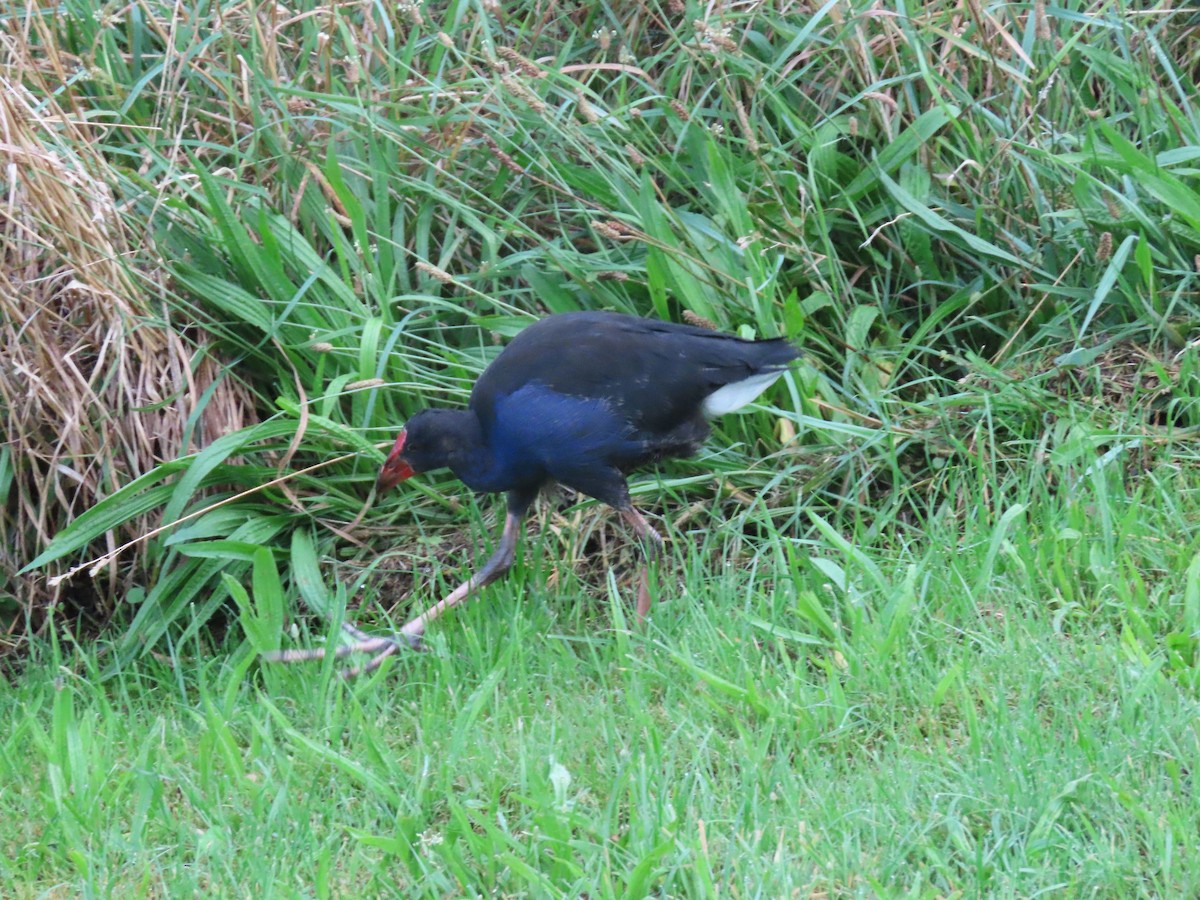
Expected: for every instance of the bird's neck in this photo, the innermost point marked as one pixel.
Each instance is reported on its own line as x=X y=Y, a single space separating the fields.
x=474 y=461
x=479 y=470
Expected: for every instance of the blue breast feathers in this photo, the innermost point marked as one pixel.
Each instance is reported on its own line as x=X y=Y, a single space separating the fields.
x=540 y=432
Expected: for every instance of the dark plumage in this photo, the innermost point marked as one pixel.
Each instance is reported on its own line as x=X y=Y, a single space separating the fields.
x=580 y=399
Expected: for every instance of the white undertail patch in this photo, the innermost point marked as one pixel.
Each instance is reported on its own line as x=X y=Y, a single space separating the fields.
x=736 y=395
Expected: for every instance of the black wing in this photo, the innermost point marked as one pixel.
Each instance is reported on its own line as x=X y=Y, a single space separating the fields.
x=655 y=374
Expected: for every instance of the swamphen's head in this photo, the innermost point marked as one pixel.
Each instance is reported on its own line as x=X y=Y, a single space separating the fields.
x=432 y=439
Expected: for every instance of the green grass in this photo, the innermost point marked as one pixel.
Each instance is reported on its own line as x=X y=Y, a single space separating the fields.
x=929 y=620
x=852 y=718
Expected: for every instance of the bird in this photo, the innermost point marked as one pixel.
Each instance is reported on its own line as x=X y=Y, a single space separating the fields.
x=580 y=399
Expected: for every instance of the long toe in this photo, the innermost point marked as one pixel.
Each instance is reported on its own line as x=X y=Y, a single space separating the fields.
x=413 y=641
x=412 y=635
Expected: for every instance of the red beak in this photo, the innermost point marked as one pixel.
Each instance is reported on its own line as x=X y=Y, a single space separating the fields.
x=396 y=469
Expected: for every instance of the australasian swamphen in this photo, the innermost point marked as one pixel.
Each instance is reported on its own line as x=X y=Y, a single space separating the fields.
x=580 y=399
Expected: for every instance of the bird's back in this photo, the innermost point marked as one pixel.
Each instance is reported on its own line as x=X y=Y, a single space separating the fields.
x=656 y=376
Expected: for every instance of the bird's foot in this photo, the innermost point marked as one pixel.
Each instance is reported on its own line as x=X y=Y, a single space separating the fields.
x=380 y=648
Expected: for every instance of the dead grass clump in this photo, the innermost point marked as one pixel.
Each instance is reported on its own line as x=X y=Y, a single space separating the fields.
x=96 y=387
x=1123 y=376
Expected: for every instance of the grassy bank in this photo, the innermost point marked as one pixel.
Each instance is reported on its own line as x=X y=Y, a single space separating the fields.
x=928 y=619
x=868 y=721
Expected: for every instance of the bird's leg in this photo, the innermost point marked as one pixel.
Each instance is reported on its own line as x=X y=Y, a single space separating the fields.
x=652 y=543
x=410 y=635
x=497 y=565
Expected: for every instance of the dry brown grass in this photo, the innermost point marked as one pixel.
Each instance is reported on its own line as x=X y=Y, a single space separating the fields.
x=96 y=385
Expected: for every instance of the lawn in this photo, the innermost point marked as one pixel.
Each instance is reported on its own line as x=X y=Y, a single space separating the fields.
x=927 y=622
